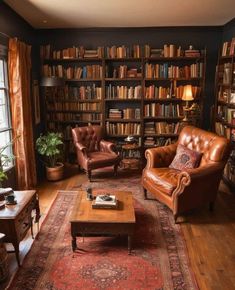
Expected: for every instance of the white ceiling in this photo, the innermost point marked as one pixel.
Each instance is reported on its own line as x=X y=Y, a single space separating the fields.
x=123 y=13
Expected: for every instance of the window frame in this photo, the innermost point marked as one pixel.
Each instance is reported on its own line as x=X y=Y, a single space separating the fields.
x=5 y=89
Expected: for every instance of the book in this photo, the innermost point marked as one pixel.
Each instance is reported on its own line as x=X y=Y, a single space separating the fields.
x=105 y=201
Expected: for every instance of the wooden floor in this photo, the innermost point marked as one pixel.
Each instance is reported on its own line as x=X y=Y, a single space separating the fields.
x=210 y=237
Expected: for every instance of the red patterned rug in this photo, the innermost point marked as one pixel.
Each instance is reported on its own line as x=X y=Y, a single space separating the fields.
x=158 y=261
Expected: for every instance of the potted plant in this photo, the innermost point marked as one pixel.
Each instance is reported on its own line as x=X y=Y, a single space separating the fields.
x=50 y=147
x=5 y=159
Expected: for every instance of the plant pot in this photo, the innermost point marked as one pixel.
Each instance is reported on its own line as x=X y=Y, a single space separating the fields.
x=55 y=173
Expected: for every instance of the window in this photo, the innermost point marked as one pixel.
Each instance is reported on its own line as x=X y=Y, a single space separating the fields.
x=5 y=121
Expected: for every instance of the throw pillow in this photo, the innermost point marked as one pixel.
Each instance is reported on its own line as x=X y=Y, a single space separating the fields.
x=185 y=158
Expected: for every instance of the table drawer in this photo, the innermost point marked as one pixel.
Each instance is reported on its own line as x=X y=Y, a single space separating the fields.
x=23 y=221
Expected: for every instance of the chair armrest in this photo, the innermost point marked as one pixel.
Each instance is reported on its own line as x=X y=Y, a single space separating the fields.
x=106 y=146
x=81 y=148
x=160 y=156
x=205 y=171
x=197 y=177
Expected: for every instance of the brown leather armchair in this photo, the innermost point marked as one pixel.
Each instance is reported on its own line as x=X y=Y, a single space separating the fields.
x=92 y=151
x=182 y=190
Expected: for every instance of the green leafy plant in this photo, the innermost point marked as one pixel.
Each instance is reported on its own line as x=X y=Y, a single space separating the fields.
x=50 y=146
x=5 y=159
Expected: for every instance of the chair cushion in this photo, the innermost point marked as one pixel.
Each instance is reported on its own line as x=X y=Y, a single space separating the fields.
x=101 y=159
x=164 y=179
x=185 y=158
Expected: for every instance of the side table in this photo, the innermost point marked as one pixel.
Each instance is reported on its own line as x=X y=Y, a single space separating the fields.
x=131 y=156
x=16 y=220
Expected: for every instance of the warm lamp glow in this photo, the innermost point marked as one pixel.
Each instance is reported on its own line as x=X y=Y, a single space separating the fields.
x=188 y=93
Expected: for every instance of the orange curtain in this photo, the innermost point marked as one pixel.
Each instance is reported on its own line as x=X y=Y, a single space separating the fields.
x=19 y=62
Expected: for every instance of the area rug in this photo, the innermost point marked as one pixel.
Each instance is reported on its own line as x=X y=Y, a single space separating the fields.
x=158 y=260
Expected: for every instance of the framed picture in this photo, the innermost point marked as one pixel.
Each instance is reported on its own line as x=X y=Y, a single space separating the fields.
x=36 y=101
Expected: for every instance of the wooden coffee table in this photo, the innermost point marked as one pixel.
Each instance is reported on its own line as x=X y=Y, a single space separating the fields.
x=86 y=221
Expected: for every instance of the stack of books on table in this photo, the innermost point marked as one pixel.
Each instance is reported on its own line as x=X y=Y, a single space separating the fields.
x=105 y=201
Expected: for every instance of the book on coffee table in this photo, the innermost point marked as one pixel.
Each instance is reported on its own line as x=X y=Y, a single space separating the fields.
x=105 y=201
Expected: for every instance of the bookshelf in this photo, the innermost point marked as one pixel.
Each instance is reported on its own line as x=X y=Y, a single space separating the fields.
x=128 y=90
x=166 y=72
x=225 y=103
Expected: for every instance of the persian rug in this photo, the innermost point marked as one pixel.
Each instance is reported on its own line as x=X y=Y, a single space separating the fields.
x=158 y=260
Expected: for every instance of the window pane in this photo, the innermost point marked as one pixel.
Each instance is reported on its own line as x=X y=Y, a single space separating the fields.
x=5 y=139
x=3 y=111
x=1 y=74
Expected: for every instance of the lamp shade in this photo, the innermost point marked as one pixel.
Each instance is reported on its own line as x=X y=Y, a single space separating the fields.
x=52 y=82
x=188 y=93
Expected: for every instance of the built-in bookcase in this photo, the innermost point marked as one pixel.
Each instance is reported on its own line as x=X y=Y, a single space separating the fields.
x=128 y=90
x=225 y=103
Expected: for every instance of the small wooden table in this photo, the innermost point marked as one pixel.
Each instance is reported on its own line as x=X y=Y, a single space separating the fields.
x=86 y=221
x=15 y=220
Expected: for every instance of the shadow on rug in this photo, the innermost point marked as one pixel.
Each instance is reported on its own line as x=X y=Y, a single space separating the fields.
x=158 y=261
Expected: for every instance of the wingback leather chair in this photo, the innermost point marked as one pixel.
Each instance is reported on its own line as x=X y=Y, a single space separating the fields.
x=182 y=190
x=92 y=151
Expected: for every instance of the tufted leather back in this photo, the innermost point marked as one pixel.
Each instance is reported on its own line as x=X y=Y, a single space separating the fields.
x=88 y=136
x=213 y=147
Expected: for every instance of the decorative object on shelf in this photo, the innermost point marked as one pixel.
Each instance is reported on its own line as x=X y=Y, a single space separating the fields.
x=50 y=146
x=187 y=96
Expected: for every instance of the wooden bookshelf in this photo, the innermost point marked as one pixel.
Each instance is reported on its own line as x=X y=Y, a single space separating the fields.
x=124 y=89
x=224 y=120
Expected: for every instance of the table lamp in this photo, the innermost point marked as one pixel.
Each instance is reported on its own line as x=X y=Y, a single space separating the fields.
x=187 y=96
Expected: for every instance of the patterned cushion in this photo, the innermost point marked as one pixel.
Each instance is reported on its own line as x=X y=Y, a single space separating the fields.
x=185 y=158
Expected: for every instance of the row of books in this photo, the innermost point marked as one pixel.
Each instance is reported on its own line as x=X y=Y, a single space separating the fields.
x=127 y=113
x=228 y=48
x=85 y=92
x=122 y=71
x=226 y=95
x=122 y=51
x=161 y=128
x=123 y=92
x=158 y=141
x=46 y=52
x=122 y=128
x=68 y=117
x=73 y=106
x=151 y=71
x=170 y=51
x=154 y=92
x=162 y=110
x=86 y=72
x=225 y=131
x=226 y=114
x=194 y=70
x=224 y=73
x=73 y=93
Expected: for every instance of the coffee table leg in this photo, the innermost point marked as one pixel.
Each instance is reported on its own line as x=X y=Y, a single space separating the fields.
x=74 y=243
x=129 y=244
